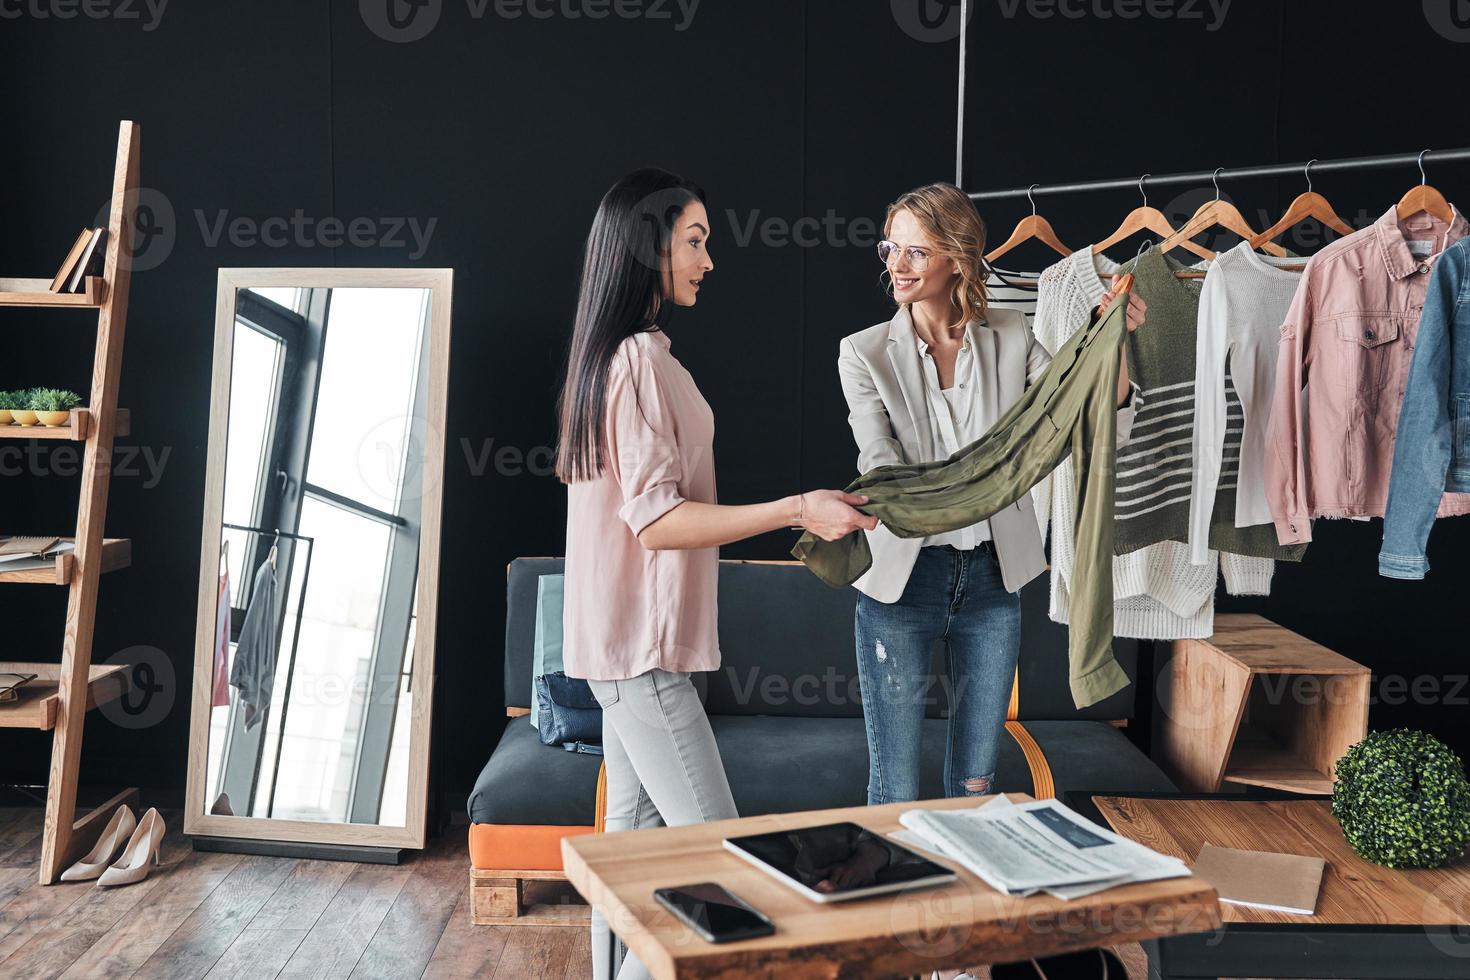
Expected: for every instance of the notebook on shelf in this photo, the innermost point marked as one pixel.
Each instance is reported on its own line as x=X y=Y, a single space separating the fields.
x=21 y=546
x=1262 y=879
x=19 y=552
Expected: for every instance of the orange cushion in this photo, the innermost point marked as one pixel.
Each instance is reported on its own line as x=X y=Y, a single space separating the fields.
x=519 y=847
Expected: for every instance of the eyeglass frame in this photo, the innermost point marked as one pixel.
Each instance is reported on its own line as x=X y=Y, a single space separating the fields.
x=12 y=692
x=917 y=264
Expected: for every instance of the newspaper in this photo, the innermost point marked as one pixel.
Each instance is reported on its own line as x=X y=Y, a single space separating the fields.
x=1040 y=846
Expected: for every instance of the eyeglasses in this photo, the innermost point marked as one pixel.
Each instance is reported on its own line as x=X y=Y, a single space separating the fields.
x=10 y=682
x=918 y=257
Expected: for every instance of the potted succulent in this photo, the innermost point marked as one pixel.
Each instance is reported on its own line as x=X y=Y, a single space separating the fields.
x=9 y=400
x=53 y=405
x=22 y=413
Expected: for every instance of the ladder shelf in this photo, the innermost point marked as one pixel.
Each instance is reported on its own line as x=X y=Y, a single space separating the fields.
x=60 y=697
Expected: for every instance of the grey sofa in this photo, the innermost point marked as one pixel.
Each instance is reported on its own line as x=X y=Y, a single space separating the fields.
x=786 y=713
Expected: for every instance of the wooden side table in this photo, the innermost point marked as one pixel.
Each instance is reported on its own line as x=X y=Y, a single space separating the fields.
x=1370 y=921
x=1256 y=705
x=912 y=933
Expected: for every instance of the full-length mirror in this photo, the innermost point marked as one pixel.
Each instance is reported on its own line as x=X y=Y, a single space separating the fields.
x=314 y=657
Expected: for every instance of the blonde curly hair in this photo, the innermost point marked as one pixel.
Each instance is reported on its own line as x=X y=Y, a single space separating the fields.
x=948 y=217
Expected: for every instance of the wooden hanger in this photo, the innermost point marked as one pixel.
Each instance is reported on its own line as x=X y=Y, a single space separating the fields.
x=1425 y=198
x=1124 y=283
x=1307 y=205
x=1031 y=226
x=1212 y=214
x=1146 y=218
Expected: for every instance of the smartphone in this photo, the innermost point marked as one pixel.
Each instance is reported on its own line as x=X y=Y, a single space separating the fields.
x=714 y=912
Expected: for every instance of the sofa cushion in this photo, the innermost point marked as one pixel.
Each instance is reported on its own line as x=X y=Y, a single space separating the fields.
x=778 y=765
x=1095 y=755
x=526 y=782
x=786 y=644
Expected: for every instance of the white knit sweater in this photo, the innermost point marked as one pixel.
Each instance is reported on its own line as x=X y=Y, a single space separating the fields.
x=1158 y=594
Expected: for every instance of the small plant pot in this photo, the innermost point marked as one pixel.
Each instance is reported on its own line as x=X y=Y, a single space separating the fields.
x=23 y=416
x=5 y=417
x=54 y=420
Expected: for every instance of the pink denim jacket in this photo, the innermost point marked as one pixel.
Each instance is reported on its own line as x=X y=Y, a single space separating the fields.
x=1341 y=369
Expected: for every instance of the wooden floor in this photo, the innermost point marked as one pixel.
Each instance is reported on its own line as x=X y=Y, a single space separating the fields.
x=228 y=915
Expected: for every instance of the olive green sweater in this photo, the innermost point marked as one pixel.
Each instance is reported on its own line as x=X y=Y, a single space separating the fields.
x=1071 y=408
x=1156 y=468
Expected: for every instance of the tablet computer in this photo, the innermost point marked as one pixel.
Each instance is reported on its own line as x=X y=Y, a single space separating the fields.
x=838 y=861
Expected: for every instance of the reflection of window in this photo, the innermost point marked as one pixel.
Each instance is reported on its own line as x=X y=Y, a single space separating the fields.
x=339 y=625
x=366 y=395
x=349 y=704
x=393 y=810
x=288 y=296
x=255 y=382
x=322 y=446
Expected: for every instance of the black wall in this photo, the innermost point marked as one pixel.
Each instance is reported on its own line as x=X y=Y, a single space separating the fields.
x=504 y=132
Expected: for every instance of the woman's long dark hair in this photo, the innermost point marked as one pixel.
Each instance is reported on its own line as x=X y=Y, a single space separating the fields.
x=622 y=294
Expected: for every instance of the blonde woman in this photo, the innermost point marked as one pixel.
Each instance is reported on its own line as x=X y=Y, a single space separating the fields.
x=919 y=387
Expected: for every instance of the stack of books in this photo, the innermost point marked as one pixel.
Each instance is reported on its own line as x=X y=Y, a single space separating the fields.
x=83 y=255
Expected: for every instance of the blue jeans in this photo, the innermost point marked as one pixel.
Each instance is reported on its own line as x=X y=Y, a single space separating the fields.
x=958 y=597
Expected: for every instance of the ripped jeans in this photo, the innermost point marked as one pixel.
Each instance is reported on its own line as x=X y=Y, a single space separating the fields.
x=958 y=597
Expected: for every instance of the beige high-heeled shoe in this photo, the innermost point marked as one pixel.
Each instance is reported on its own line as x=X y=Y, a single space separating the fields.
x=119 y=828
x=141 y=854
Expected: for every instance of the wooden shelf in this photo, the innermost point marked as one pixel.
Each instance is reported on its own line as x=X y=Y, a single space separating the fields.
x=39 y=699
x=1256 y=705
x=116 y=553
x=77 y=431
x=58 y=700
x=37 y=292
x=1260 y=763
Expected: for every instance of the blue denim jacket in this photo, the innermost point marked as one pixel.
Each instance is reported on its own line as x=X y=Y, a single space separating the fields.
x=1431 y=453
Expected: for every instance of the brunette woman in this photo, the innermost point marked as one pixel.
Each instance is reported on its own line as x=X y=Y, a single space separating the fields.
x=643 y=527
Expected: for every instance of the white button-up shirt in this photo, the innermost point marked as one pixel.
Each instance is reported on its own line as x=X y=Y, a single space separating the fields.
x=956 y=419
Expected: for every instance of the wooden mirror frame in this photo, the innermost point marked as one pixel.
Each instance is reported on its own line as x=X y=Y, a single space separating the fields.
x=197 y=822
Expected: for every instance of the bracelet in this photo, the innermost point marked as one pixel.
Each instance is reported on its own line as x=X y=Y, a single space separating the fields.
x=801 y=510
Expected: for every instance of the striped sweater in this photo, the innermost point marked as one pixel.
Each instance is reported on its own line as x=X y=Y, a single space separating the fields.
x=1157 y=593
x=1156 y=468
x=1007 y=290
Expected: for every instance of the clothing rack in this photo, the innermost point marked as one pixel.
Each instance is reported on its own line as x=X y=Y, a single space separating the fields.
x=274 y=532
x=1386 y=161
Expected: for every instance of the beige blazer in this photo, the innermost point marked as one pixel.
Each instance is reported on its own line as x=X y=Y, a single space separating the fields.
x=883 y=381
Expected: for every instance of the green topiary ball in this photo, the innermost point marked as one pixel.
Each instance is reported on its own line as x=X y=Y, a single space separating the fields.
x=1402 y=800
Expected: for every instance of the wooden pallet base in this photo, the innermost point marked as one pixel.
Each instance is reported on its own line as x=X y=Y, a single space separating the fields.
x=499 y=898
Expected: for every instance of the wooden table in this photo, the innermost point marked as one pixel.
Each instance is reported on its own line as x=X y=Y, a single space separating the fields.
x=964 y=923
x=1370 y=921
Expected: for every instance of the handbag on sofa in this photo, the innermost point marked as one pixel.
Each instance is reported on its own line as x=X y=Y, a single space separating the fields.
x=567 y=714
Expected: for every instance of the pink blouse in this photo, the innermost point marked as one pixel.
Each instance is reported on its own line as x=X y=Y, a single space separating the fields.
x=628 y=609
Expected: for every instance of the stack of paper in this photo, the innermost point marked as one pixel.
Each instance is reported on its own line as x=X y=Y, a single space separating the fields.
x=1041 y=846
